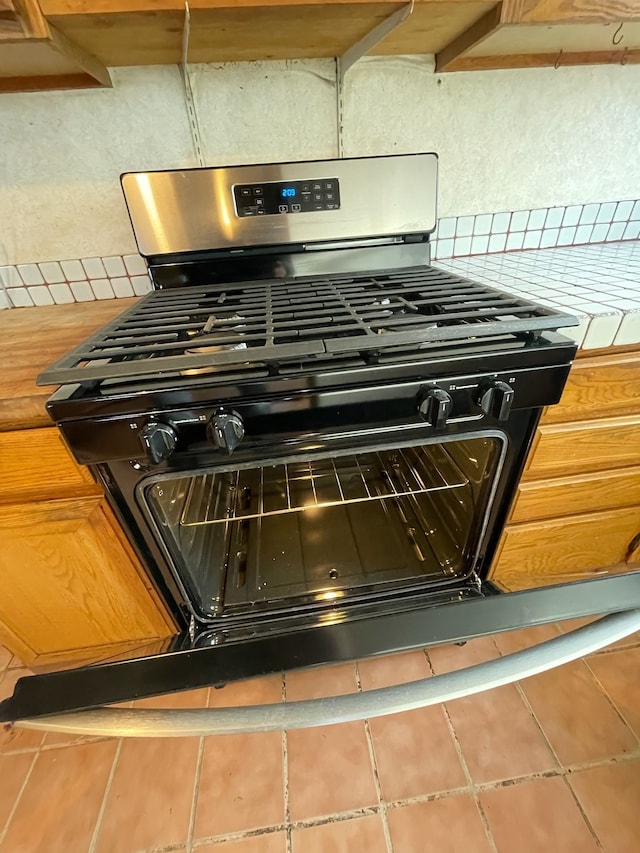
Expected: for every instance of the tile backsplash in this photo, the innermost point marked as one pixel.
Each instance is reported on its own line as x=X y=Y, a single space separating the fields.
x=115 y=276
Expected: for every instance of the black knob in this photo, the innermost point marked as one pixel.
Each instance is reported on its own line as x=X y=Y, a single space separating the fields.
x=495 y=398
x=159 y=441
x=435 y=406
x=226 y=430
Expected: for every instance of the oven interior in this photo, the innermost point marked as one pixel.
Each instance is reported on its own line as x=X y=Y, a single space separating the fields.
x=325 y=528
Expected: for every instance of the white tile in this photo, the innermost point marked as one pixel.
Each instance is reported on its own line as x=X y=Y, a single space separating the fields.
x=93 y=267
x=549 y=238
x=583 y=233
x=577 y=333
x=515 y=240
x=102 y=288
x=479 y=244
x=616 y=231
x=635 y=213
x=9 y=277
x=537 y=219
x=114 y=266
x=20 y=297
x=142 y=285
x=4 y=299
x=632 y=231
x=629 y=331
x=606 y=212
x=445 y=249
x=532 y=239
x=482 y=224
x=136 y=266
x=122 y=287
x=599 y=233
x=602 y=331
x=623 y=211
x=52 y=272
x=589 y=213
x=554 y=217
x=497 y=243
x=462 y=246
x=519 y=220
x=61 y=293
x=566 y=236
x=30 y=274
x=82 y=291
x=73 y=270
x=500 y=223
x=446 y=228
x=572 y=215
x=40 y=295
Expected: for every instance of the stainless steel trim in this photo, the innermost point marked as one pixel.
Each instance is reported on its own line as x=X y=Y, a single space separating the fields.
x=194 y=209
x=142 y=722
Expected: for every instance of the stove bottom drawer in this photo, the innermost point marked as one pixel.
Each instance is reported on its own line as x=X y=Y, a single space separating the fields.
x=561 y=550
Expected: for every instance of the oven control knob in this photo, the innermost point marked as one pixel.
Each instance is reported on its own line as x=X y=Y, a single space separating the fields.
x=435 y=406
x=226 y=430
x=495 y=398
x=159 y=441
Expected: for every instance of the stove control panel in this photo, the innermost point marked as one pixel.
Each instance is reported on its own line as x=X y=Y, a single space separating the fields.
x=283 y=197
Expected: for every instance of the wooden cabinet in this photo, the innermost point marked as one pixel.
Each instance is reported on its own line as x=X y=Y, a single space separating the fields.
x=35 y=55
x=69 y=579
x=577 y=508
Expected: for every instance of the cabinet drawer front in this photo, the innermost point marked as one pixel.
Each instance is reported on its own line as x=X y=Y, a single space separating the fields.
x=566 y=549
x=36 y=465
x=564 y=449
x=598 y=388
x=539 y=499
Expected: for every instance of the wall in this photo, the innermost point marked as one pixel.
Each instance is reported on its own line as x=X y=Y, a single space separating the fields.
x=507 y=140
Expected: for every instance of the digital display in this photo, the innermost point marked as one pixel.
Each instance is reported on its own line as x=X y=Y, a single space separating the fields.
x=288 y=192
x=274 y=198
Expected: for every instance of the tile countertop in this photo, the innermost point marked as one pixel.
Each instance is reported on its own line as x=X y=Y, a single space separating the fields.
x=600 y=284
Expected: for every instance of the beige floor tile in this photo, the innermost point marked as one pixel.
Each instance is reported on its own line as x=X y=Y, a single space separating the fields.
x=329 y=770
x=183 y=699
x=321 y=681
x=576 y=716
x=619 y=674
x=537 y=816
x=255 y=691
x=393 y=669
x=273 y=842
x=499 y=737
x=241 y=784
x=514 y=641
x=447 y=825
x=149 y=802
x=415 y=754
x=13 y=772
x=58 y=810
x=452 y=657
x=364 y=834
x=610 y=796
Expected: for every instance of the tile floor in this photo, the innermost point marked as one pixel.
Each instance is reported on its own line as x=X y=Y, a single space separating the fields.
x=550 y=764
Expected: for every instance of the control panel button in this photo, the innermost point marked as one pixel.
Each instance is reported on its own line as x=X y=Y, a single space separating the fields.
x=259 y=202
x=245 y=191
x=317 y=187
x=317 y=197
x=434 y=406
x=296 y=208
x=258 y=191
x=283 y=208
x=329 y=185
x=495 y=398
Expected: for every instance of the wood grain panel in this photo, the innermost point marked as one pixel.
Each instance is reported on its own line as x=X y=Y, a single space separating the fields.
x=36 y=465
x=538 y=499
x=564 y=449
x=564 y=11
x=66 y=582
x=565 y=549
x=599 y=388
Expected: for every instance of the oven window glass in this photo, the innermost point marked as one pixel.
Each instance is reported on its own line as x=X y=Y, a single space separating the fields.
x=322 y=529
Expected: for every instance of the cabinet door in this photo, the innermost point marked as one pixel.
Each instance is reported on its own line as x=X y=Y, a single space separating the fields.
x=69 y=579
x=567 y=549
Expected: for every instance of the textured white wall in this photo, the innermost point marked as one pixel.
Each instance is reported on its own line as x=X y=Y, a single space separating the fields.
x=507 y=140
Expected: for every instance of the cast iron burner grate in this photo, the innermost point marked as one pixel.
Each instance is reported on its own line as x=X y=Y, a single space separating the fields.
x=292 y=320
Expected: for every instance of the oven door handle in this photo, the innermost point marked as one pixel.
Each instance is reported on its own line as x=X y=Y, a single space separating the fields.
x=143 y=722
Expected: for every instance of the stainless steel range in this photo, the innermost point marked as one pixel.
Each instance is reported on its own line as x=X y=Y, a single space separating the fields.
x=310 y=434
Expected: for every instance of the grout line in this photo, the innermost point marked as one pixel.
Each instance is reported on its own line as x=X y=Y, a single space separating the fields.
x=107 y=791
x=285 y=776
x=14 y=808
x=603 y=690
x=196 y=792
x=374 y=770
x=471 y=785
